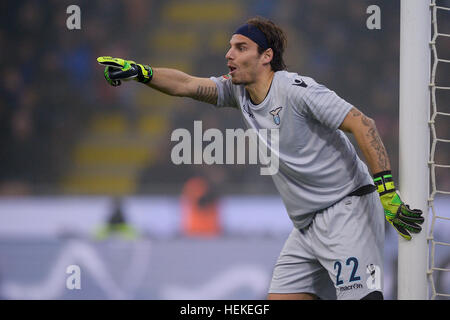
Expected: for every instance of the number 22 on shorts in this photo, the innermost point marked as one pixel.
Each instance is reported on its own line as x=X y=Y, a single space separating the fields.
x=351 y=262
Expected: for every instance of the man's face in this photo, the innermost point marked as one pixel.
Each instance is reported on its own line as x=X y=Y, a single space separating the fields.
x=244 y=61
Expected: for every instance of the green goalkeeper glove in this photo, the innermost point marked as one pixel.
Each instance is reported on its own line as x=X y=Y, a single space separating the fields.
x=398 y=214
x=119 y=69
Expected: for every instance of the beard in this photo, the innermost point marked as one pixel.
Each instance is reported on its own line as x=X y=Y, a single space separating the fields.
x=239 y=81
x=236 y=81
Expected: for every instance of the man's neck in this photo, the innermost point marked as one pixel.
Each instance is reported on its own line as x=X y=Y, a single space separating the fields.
x=260 y=88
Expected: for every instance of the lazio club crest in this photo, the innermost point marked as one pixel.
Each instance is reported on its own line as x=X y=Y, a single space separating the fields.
x=275 y=113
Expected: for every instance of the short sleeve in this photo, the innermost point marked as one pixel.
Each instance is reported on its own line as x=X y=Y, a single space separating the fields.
x=325 y=106
x=225 y=93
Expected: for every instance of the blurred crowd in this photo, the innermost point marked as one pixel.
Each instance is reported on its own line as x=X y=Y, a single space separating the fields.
x=51 y=83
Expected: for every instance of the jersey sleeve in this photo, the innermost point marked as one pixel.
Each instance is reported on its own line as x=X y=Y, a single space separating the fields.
x=225 y=93
x=325 y=105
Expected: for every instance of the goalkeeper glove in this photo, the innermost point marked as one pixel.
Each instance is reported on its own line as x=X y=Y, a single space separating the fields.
x=119 y=69
x=398 y=214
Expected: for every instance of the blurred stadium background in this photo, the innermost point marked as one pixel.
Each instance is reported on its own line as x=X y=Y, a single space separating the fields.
x=86 y=174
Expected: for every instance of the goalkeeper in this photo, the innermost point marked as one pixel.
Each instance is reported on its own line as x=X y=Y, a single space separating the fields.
x=335 y=249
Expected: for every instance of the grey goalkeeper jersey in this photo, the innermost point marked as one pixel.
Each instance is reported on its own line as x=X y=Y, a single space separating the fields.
x=318 y=165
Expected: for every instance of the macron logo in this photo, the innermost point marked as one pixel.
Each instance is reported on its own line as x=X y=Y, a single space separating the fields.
x=300 y=83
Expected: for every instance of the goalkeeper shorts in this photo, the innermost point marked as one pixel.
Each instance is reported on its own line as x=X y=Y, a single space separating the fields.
x=339 y=255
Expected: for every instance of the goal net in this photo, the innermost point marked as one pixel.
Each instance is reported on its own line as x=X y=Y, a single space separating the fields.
x=439 y=163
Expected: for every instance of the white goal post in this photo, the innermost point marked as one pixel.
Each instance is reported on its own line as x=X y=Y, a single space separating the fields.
x=414 y=141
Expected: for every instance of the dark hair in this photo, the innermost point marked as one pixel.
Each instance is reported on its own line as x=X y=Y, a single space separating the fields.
x=275 y=38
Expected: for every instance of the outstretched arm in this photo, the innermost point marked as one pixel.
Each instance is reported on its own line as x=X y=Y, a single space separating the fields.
x=178 y=83
x=170 y=81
